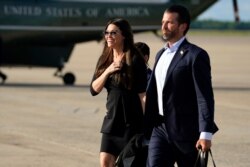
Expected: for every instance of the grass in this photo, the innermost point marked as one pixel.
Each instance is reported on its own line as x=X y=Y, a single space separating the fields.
x=216 y=32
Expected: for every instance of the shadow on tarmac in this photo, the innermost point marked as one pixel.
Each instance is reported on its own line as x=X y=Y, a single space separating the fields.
x=32 y=85
x=85 y=86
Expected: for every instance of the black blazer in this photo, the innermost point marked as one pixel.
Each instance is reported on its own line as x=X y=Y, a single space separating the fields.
x=188 y=100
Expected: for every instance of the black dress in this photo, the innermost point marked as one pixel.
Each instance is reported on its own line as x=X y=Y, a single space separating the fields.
x=124 y=111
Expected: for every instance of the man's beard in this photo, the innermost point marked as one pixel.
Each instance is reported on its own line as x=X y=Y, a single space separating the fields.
x=168 y=36
x=164 y=37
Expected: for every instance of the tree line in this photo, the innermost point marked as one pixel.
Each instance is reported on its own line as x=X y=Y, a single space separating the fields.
x=219 y=25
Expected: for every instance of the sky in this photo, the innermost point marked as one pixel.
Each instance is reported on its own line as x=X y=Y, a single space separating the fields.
x=223 y=11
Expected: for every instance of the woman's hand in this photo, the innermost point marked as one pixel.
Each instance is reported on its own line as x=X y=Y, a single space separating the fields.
x=115 y=66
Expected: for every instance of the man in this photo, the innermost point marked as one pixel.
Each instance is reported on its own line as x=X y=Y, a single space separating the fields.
x=180 y=102
x=145 y=50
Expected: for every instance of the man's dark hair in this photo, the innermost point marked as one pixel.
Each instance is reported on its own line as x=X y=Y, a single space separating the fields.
x=143 y=47
x=183 y=15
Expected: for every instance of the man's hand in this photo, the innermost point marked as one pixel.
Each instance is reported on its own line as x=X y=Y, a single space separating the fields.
x=203 y=144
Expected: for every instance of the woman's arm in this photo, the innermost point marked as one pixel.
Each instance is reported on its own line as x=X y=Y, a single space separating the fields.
x=142 y=97
x=98 y=83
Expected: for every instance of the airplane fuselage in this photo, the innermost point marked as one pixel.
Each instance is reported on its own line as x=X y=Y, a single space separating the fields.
x=43 y=32
x=65 y=21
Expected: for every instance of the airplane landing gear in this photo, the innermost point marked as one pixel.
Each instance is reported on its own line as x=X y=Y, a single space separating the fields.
x=3 y=76
x=68 y=78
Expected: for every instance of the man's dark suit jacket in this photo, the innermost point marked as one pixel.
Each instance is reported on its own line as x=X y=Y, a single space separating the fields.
x=188 y=101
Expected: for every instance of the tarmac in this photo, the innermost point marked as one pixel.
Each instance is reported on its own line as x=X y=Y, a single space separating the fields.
x=44 y=123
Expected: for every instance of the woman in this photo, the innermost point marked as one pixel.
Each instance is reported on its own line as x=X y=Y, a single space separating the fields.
x=123 y=72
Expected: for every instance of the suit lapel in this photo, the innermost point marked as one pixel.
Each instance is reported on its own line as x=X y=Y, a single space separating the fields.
x=180 y=53
x=152 y=78
x=159 y=54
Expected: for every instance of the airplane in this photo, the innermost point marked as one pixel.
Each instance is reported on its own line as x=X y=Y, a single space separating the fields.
x=42 y=33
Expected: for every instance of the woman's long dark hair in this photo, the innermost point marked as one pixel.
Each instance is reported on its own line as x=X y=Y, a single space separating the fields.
x=123 y=77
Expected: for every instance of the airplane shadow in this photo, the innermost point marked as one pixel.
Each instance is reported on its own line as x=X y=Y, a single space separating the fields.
x=221 y=88
x=37 y=85
x=85 y=86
